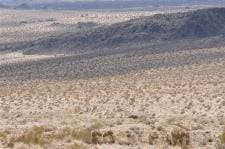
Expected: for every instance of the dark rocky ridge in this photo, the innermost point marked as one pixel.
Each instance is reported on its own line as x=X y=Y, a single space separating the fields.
x=155 y=29
x=203 y=23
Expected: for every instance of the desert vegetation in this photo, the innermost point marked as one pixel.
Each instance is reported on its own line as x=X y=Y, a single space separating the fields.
x=179 y=106
x=161 y=94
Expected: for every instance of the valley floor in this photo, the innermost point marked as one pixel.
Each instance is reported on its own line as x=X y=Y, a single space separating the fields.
x=165 y=107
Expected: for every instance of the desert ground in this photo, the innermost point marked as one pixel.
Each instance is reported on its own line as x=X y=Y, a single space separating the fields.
x=59 y=102
x=27 y=25
x=23 y=25
x=134 y=110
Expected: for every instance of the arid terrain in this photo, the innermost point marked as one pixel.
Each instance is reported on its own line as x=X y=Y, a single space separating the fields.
x=23 y=25
x=144 y=81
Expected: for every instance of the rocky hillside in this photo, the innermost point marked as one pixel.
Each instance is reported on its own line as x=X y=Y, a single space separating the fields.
x=203 y=23
x=189 y=26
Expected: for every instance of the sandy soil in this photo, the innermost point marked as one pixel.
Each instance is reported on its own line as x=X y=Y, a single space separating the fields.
x=140 y=109
x=17 y=57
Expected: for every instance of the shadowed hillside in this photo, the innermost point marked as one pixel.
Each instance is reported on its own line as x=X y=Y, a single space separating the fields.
x=203 y=23
x=155 y=29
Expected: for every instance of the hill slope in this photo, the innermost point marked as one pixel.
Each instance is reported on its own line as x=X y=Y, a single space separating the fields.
x=189 y=26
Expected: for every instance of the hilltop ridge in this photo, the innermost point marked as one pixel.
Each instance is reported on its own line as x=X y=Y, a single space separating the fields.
x=160 y=28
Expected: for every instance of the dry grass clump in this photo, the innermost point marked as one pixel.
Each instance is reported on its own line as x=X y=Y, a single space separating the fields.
x=179 y=137
x=3 y=136
x=82 y=135
x=222 y=137
x=85 y=135
x=41 y=137
x=33 y=136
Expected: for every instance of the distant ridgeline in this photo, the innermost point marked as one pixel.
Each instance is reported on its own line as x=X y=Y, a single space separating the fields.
x=100 y=4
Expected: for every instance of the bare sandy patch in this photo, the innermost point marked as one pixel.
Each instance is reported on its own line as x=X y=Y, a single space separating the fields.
x=16 y=57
